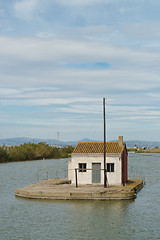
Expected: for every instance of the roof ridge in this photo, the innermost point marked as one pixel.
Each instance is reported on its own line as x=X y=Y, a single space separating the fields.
x=98 y=147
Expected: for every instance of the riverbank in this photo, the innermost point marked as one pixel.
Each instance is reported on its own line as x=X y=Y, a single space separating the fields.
x=141 y=150
x=61 y=189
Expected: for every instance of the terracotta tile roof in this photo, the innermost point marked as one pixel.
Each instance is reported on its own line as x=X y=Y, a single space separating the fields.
x=98 y=147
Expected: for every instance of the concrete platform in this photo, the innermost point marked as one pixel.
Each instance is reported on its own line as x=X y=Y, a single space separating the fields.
x=62 y=189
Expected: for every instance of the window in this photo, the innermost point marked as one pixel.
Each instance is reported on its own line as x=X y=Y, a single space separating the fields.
x=82 y=167
x=110 y=167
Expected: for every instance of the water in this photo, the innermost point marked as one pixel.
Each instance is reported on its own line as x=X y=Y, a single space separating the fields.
x=41 y=219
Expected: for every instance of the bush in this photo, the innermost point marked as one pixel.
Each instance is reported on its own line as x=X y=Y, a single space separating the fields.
x=3 y=154
x=31 y=151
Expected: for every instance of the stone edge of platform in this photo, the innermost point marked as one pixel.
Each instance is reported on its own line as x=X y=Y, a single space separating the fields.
x=125 y=194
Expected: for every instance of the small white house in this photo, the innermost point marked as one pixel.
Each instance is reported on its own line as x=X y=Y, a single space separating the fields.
x=87 y=163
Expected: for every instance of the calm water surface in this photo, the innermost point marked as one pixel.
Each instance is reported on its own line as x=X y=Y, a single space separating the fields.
x=34 y=219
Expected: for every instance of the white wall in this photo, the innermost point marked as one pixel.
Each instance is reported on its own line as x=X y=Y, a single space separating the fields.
x=114 y=178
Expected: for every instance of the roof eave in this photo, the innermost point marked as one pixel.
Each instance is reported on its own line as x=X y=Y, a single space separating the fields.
x=96 y=154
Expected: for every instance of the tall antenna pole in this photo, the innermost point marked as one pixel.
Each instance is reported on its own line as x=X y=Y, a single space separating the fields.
x=58 y=138
x=105 y=178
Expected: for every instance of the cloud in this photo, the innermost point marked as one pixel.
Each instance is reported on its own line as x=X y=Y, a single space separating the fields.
x=154 y=95
x=146 y=33
x=7 y=92
x=76 y=53
x=80 y=2
x=87 y=65
x=59 y=50
x=36 y=9
x=25 y=9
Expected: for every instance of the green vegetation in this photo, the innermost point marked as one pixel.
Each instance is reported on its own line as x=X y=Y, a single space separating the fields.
x=31 y=151
x=131 y=149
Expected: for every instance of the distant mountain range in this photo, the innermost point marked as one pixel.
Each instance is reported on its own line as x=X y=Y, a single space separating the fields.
x=21 y=140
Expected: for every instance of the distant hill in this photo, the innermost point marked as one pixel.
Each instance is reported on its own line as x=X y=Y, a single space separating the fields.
x=21 y=140
x=139 y=143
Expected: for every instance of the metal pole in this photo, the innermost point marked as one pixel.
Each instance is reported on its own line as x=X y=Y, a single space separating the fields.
x=58 y=138
x=44 y=169
x=105 y=178
x=76 y=178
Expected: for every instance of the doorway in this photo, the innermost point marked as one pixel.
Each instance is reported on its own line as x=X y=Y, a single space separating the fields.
x=96 y=172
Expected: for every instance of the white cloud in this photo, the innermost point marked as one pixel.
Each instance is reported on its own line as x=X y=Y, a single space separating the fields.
x=80 y=2
x=34 y=49
x=44 y=101
x=41 y=87
x=154 y=95
x=8 y=92
x=145 y=31
x=25 y=9
x=28 y=9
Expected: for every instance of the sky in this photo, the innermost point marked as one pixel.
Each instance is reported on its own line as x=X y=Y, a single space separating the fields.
x=60 y=58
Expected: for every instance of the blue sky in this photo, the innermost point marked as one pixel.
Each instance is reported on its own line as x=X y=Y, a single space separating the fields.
x=59 y=58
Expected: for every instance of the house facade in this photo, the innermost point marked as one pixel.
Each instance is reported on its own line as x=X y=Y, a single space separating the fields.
x=87 y=163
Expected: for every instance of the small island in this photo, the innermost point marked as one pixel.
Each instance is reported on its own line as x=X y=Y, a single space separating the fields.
x=87 y=172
